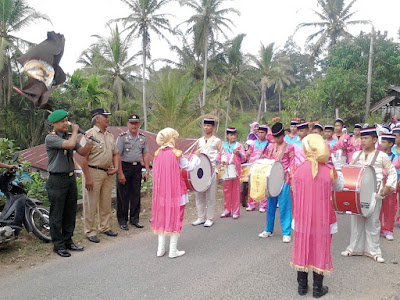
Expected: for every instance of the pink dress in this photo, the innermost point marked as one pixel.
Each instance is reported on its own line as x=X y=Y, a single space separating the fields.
x=168 y=188
x=312 y=216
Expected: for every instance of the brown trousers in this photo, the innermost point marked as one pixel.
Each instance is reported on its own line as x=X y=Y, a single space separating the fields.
x=97 y=202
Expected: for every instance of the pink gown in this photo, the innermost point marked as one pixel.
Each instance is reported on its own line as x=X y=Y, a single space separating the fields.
x=313 y=215
x=168 y=188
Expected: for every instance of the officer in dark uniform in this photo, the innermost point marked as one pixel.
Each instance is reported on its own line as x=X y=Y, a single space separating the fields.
x=61 y=184
x=132 y=152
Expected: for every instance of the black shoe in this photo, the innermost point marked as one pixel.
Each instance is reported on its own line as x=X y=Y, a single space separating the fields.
x=63 y=252
x=74 y=247
x=110 y=233
x=137 y=225
x=124 y=227
x=93 y=239
x=318 y=288
x=302 y=280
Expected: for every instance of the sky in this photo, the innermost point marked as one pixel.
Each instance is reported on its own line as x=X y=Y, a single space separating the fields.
x=263 y=21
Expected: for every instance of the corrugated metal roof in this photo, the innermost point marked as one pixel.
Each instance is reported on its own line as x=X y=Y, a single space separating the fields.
x=395 y=88
x=37 y=156
x=381 y=103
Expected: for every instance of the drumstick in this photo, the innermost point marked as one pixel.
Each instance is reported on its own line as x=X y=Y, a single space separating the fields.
x=231 y=158
x=190 y=148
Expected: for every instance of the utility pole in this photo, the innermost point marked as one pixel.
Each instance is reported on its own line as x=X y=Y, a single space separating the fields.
x=369 y=81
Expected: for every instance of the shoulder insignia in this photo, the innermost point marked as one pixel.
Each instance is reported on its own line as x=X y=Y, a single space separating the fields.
x=123 y=133
x=177 y=152
x=142 y=134
x=53 y=132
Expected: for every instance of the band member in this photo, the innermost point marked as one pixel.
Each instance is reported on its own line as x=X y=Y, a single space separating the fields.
x=233 y=153
x=209 y=145
x=318 y=129
x=284 y=153
x=328 y=133
x=298 y=148
x=342 y=146
x=396 y=152
x=355 y=142
x=364 y=239
x=314 y=219
x=292 y=136
x=169 y=191
x=388 y=212
x=255 y=152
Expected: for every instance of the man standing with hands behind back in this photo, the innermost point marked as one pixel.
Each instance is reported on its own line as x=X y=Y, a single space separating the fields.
x=98 y=166
x=132 y=149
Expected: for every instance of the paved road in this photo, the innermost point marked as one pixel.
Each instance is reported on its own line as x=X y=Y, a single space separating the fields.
x=226 y=261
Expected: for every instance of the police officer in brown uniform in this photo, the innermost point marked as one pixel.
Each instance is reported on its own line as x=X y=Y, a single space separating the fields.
x=98 y=167
x=132 y=149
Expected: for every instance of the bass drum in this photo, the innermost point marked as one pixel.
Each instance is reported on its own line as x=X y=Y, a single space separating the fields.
x=267 y=178
x=358 y=195
x=199 y=179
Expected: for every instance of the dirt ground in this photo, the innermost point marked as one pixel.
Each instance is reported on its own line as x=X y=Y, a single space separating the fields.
x=28 y=251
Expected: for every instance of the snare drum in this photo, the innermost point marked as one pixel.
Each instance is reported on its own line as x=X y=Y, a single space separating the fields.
x=199 y=179
x=228 y=172
x=358 y=195
x=267 y=177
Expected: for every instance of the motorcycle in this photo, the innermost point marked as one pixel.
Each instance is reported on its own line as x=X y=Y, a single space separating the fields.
x=21 y=211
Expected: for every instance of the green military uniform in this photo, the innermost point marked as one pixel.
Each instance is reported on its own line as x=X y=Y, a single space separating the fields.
x=61 y=189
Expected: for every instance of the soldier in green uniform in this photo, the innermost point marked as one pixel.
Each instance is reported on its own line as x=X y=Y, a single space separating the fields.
x=61 y=184
x=132 y=151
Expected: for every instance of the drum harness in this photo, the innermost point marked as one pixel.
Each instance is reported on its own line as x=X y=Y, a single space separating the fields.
x=371 y=164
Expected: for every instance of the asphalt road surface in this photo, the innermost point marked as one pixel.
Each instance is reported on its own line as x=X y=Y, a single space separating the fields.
x=226 y=261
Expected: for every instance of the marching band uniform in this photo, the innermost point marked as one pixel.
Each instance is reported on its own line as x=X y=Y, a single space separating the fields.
x=395 y=131
x=253 y=133
x=298 y=148
x=388 y=212
x=343 y=142
x=232 y=187
x=205 y=201
x=289 y=138
x=169 y=191
x=330 y=142
x=364 y=239
x=355 y=144
x=283 y=153
x=255 y=152
x=314 y=218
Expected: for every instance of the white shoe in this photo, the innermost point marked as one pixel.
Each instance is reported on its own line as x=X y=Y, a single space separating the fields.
x=199 y=221
x=389 y=237
x=265 y=234
x=286 y=239
x=208 y=223
x=379 y=259
x=346 y=253
x=249 y=209
x=173 y=244
x=262 y=210
x=161 y=245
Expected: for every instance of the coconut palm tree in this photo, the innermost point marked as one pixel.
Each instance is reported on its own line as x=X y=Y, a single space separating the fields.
x=335 y=17
x=206 y=24
x=145 y=17
x=14 y=16
x=109 y=58
x=272 y=72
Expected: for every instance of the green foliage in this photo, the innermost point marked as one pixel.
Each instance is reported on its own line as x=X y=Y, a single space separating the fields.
x=36 y=188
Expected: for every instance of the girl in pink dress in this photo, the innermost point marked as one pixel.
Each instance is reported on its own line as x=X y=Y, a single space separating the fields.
x=355 y=142
x=169 y=191
x=314 y=219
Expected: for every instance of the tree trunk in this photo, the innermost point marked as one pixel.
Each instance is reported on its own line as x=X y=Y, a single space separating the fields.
x=228 y=106
x=262 y=101
x=280 y=105
x=205 y=73
x=144 y=48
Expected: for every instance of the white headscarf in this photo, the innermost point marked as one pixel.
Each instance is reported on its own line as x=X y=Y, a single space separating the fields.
x=166 y=137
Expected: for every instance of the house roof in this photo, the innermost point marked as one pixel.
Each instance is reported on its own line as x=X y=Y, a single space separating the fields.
x=37 y=156
x=381 y=103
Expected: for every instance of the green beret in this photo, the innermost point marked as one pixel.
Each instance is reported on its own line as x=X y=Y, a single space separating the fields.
x=57 y=115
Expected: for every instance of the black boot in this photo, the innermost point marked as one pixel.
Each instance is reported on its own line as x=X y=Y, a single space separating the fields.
x=302 y=280
x=318 y=289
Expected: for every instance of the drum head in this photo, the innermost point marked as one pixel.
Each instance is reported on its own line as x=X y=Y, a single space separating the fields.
x=275 y=179
x=367 y=190
x=200 y=177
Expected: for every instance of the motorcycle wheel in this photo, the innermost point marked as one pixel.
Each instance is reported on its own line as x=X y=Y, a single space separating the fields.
x=39 y=222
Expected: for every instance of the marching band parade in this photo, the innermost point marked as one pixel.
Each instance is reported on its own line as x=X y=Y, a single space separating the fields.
x=308 y=174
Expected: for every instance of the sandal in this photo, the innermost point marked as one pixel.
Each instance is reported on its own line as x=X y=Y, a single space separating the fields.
x=379 y=258
x=346 y=253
